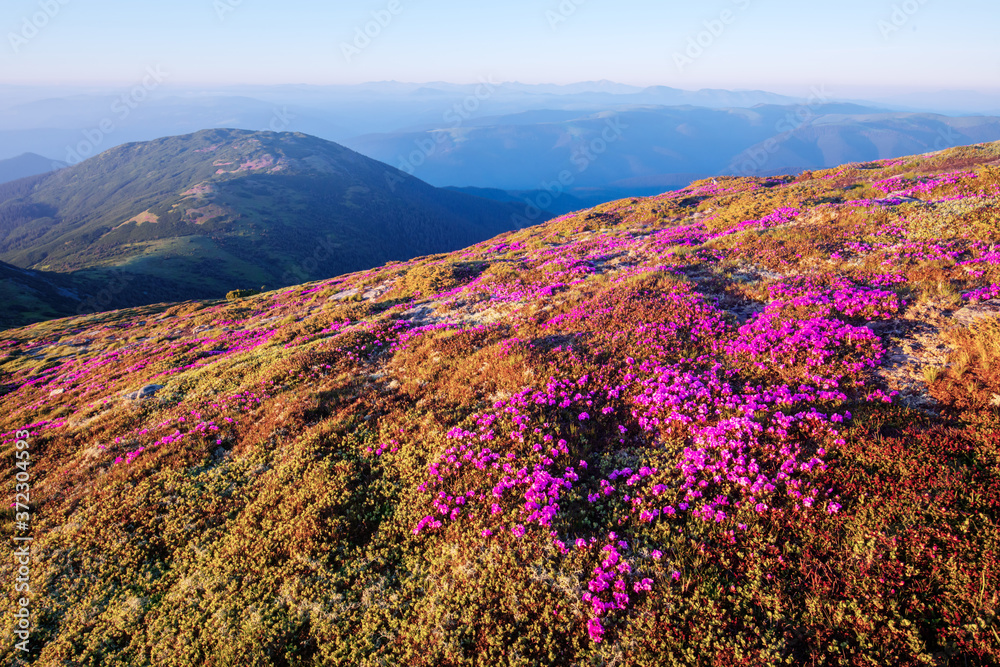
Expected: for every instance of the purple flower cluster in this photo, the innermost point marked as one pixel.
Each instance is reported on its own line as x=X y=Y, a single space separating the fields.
x=825 y=297
x=778 y=216
x=886 y=279
x=986 y=258
x=538 y=467
x=738 y=446
x=817 y=350
x=609 y=587
x=983 y=293
x=908 y=187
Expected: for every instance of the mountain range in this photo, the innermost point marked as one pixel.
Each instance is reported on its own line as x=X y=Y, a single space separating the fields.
x=27 y=164
x=392 y=122
x=645 y=150
x=51 y=122
x=199 y=215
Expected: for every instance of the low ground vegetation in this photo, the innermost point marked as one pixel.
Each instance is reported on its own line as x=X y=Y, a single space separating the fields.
x=751 y=422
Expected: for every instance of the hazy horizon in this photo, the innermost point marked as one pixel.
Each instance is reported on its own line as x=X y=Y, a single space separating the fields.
x=909 y=46
x=790 y=90
x=79 y=78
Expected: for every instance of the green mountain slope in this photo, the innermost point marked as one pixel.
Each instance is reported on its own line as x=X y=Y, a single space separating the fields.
x=224 y=209
x=30 y=296
x=752 y=422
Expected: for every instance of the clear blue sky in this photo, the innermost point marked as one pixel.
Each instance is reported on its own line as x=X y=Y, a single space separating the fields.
x=780 y=45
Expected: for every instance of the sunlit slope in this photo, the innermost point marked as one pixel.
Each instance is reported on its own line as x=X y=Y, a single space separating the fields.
x=749 y=422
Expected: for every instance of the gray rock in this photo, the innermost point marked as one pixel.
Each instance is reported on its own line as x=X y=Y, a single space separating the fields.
x=146 y=392
x=975 y=311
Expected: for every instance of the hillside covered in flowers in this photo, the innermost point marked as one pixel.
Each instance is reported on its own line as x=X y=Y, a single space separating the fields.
x=750 y=422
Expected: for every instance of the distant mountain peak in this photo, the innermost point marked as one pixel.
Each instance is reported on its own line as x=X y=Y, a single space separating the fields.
x=27 y=164
x=204 y=213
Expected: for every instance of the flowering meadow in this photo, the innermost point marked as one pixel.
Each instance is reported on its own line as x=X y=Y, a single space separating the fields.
x=755 y=421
